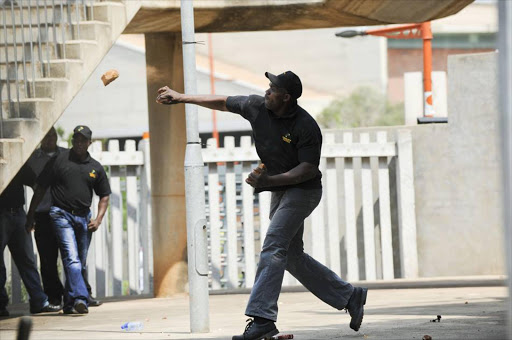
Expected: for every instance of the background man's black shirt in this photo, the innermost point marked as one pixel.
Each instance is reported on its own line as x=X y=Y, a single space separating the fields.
x=284 y=142
x=72 y=181
x=14 y=196
x=37 y=162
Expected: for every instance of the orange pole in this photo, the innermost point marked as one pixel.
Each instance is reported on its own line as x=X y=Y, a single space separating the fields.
x=215 y=133
x=425 y=31
x=394 y=29
x=426 y=35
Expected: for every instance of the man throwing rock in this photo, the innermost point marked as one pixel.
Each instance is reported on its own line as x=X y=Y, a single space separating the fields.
x=288 y=141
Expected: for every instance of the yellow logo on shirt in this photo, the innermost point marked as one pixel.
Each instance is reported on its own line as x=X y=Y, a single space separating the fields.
x=92 y=174
x=287 y=138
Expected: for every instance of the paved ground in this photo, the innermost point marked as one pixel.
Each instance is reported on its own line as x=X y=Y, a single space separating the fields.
x=467 y=313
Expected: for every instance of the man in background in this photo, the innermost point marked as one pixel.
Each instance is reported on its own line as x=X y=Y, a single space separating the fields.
x=72 y=176
x=13 y=235
x=44 y=233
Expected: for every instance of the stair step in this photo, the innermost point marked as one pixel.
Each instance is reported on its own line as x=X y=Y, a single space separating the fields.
x=15 y=52
x=69 y=13
x=58 y=68
x=32 y=88
x=32 y=108
x=46 y=51
x=10 y=149
x=47 y=14
x=16 y=127
x=85 y=30
x=76 y=49
x=102 y=10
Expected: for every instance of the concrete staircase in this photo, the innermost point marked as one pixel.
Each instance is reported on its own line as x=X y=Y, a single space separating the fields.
x=42 y=69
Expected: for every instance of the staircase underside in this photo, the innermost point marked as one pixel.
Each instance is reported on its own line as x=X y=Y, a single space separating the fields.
x=262 y=15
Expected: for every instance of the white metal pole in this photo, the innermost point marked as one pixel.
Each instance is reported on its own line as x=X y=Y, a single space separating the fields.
x=197 y=242
x=505 y=88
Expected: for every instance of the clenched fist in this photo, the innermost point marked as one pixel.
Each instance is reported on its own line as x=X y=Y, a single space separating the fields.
x=167 y=96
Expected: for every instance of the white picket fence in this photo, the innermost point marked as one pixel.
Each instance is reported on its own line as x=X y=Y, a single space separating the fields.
x=363 y=229
x=122 y=249
x=355 y=177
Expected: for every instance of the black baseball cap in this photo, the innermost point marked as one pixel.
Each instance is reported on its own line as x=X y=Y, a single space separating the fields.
x=84 y=131
x=288 y=81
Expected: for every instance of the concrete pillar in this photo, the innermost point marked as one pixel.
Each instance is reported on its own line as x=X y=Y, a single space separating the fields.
x=164 y=66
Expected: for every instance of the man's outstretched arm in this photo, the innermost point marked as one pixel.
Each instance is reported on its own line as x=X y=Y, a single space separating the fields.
x=168 y=96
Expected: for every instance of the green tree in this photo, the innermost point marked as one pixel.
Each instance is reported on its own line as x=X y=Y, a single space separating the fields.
x=364 y=107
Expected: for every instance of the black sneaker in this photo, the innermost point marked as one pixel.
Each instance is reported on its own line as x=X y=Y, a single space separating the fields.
x=355 y=307
x=257 y=331
x=93 y=302
x=55 y=301
x=49 y=308
x=69 y=310
x=81 y=307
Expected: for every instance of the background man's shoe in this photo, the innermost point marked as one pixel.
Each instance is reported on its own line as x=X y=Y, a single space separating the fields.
x=257 y=331
x=4 y=312
x=49 y=308
x=55 y=301
x=81 y=307
x=94 y=303
x=70 y=311
x=355 y=307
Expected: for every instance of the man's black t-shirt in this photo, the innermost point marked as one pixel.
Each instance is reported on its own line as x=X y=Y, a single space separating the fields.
x=37 y=162
x=14 y=196
x=72 y=181
x=284 y=142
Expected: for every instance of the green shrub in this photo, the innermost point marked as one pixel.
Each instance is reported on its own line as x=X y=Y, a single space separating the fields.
x=364 y=107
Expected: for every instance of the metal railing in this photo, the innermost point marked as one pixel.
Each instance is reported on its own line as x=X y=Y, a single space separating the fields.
x=34 y=32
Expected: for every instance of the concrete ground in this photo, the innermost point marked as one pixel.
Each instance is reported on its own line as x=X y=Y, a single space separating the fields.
x=466 y=313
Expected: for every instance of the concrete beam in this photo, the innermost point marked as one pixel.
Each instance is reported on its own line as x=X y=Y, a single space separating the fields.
x=164 y=62
x=261 y=15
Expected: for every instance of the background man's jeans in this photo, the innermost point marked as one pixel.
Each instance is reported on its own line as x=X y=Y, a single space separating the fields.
x=73 y=238
x=283 y=248
x=48 y=253
x=13 y=235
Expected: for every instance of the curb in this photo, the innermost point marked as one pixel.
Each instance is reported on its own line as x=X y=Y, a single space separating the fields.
x=421 y=283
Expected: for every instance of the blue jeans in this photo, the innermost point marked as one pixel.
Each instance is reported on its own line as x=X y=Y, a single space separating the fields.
x=283 y=249
x=13 y=235
x=73 y=239
x=46 y=242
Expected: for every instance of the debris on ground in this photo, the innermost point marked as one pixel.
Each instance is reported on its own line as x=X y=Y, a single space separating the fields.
x=438 y=319
x=283 y=336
